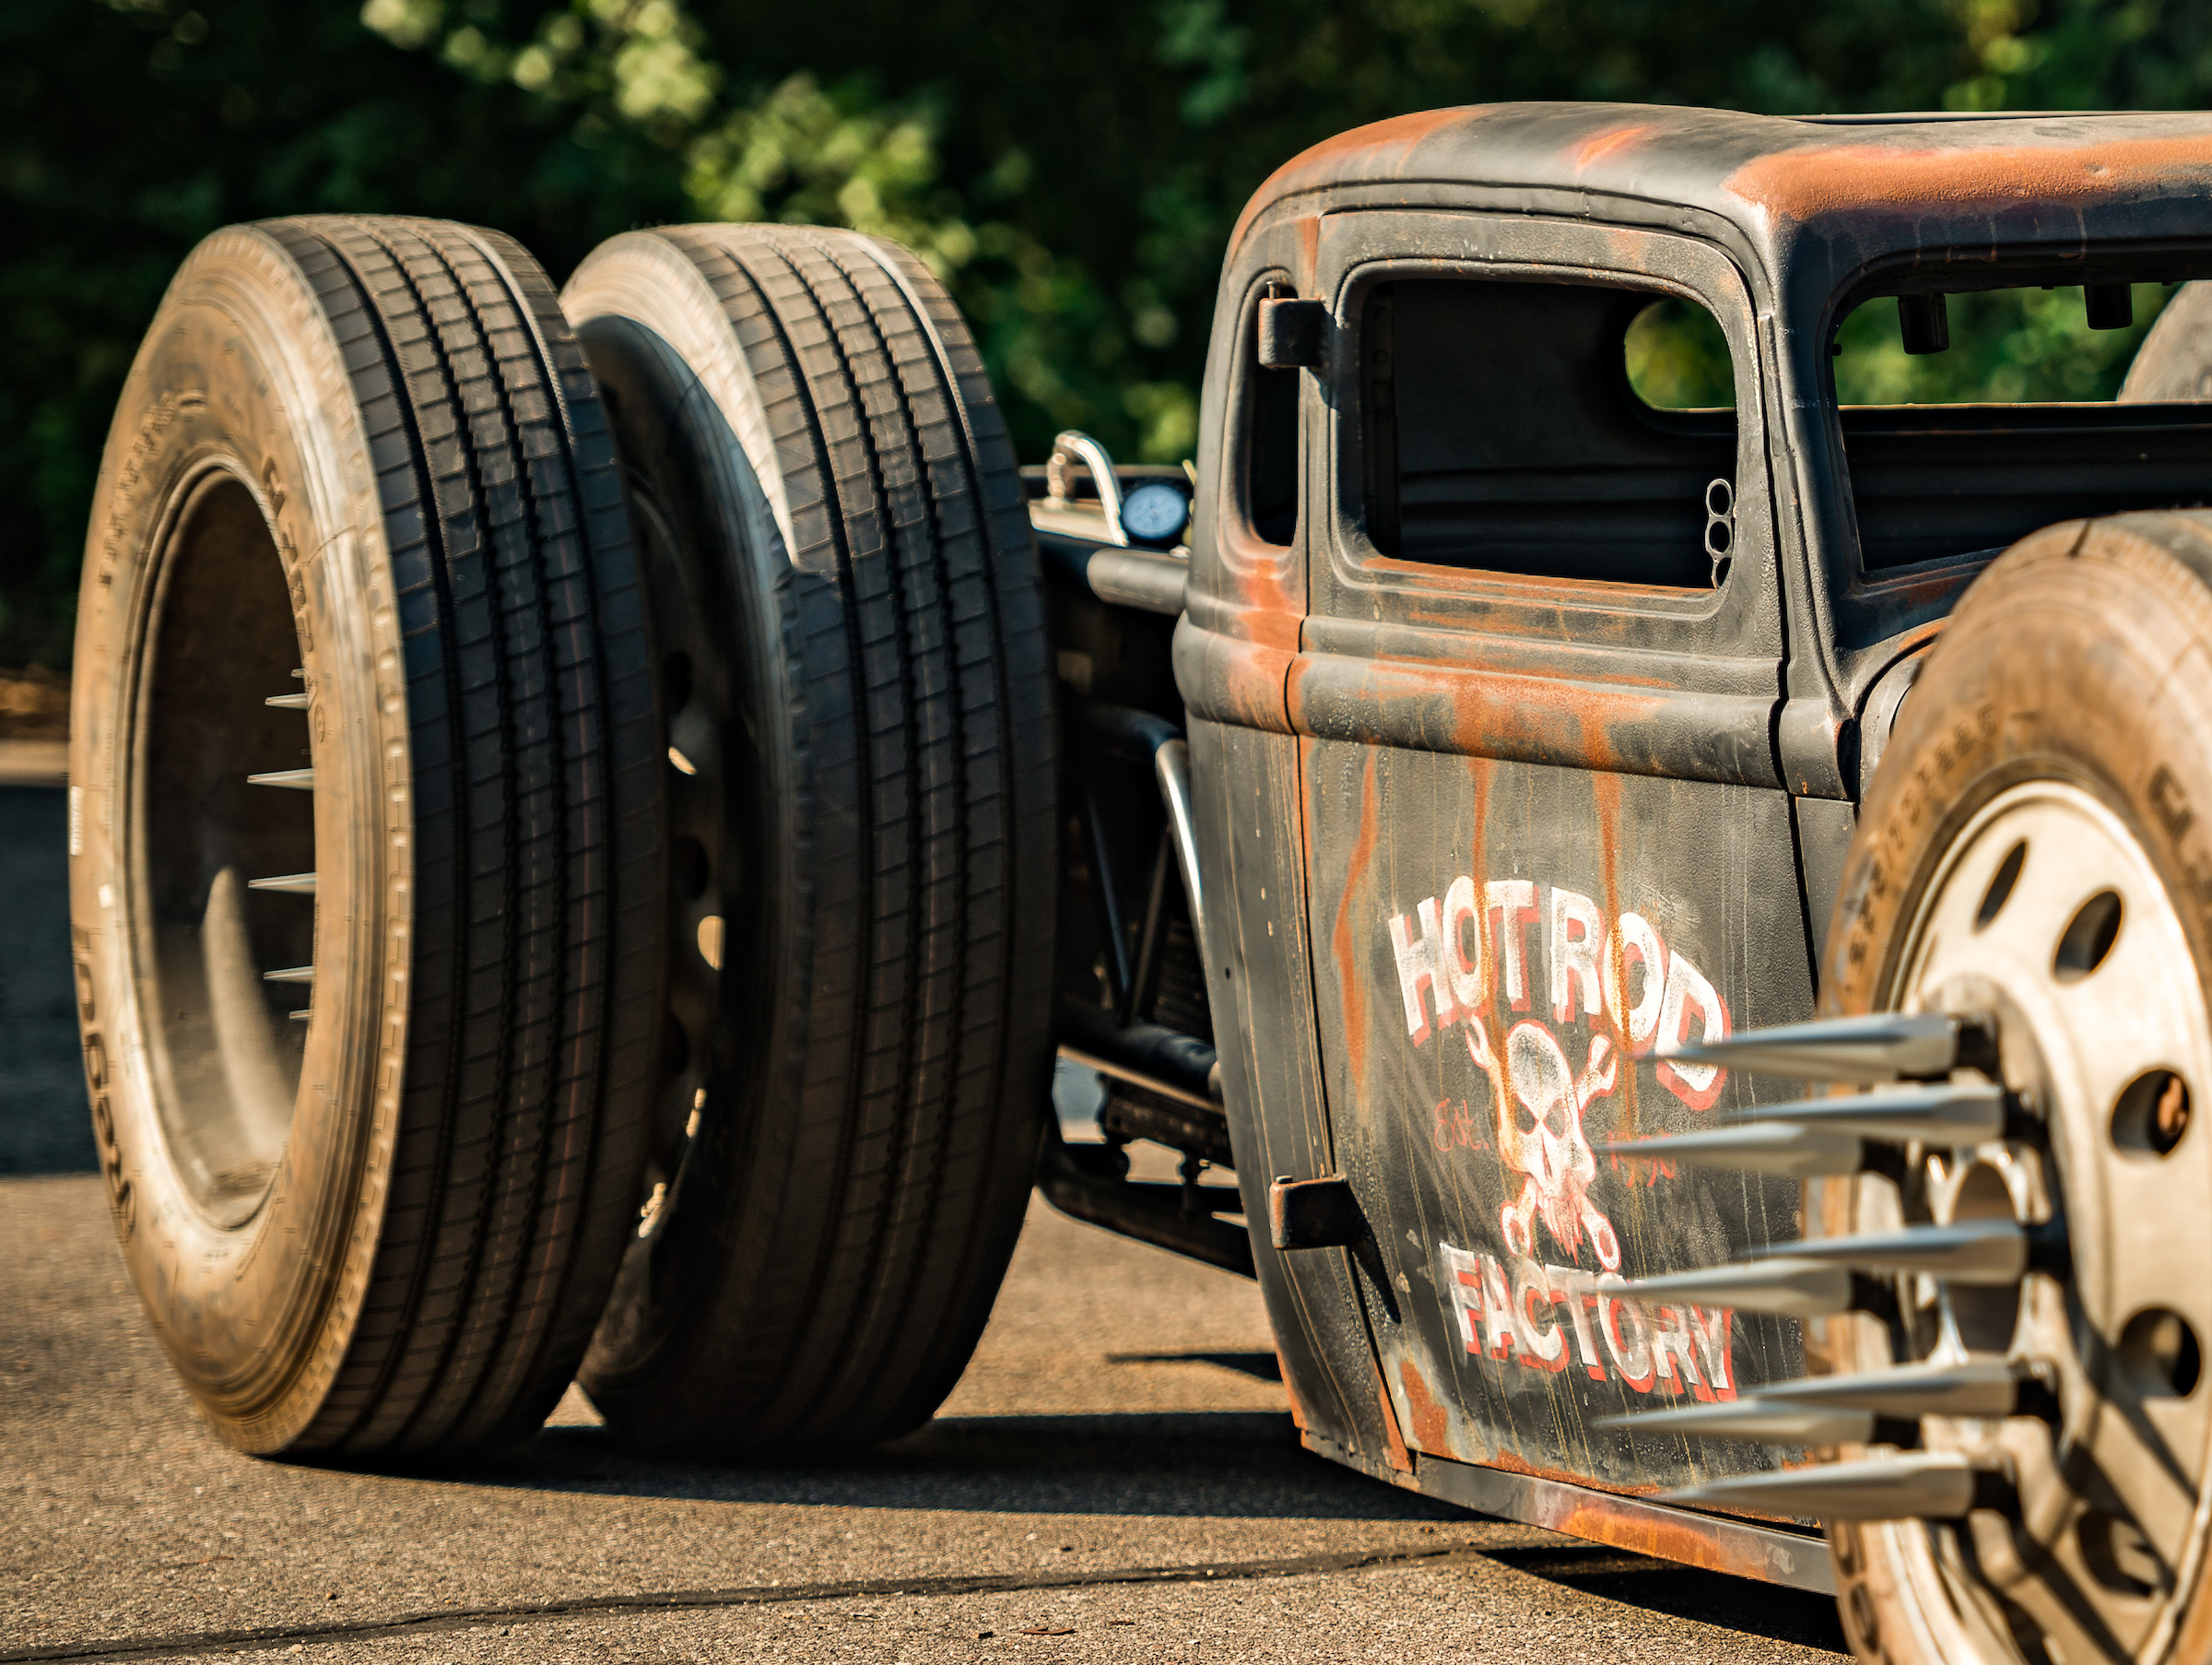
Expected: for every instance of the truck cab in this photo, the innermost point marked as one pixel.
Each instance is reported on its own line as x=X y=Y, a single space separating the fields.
x=1527 y=717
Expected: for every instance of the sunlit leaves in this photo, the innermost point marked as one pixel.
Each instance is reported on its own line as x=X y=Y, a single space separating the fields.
x=404 y=23
x=1677 y=358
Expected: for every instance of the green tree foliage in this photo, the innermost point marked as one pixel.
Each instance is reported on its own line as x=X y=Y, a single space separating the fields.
x=1677 y=358
x=2007 y=345
x=1073 y=173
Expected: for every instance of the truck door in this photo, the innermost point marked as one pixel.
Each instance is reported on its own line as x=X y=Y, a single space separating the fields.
x=1546 y=837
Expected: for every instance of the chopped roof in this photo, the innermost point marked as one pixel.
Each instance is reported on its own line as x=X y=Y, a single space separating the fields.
x=1922 y=180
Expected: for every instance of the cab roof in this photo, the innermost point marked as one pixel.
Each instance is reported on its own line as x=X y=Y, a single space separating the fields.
x=1863 y=186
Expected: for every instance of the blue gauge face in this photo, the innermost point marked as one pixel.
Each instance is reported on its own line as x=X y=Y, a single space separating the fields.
x=1155 y=512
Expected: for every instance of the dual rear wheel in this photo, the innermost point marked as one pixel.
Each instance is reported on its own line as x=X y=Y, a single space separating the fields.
x=560 y=827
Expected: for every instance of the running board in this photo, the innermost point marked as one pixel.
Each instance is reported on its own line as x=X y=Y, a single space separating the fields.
x=1772 y=1554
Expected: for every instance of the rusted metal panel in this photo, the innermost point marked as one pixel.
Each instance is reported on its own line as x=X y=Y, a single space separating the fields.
x=1496 y=838
x=1500 y=950
x=1949 y=183
x=1774 y=1555
x=1811 y=212
x=1245 y=792
x=1606 y=757
x=1772 y=1552
x=1546 y=836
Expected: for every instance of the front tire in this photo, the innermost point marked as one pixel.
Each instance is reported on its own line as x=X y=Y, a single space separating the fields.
x=364 y=842
x=2037 y=847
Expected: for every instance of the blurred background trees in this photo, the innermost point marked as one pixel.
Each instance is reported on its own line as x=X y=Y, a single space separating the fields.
x=1073 y=172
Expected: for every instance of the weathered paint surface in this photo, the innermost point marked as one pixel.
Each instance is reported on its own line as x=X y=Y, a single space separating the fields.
x=1507 y=949
x=1801 y=178
x=1490 y=842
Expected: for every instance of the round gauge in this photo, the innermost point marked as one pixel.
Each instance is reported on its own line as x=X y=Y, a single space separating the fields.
x=1155 y=512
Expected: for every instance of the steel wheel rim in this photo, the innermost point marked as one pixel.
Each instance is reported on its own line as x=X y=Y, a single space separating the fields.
x=2093 y=999
x=221 y=880
x=693 y=681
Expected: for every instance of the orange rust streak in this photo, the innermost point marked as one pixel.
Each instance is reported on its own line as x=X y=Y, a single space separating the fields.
x=1251 y=681
x=1511 y=1464
x=1683 y=1543
x=1428 y=578
x=1397 y=1455
x=1340 y=940
x=1329 y=160
x=1804 y=184
x=1273 y=628
x=1605 y=789
x=1599 y=145
x=1571 y=714
x=1260 y=582
x=1594 y=1492
x=1431 y=1425
x=1492 y=708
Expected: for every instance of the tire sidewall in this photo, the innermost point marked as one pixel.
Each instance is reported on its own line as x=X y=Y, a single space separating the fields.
x=683 y=402
x=241 y=375
x=2083 y=656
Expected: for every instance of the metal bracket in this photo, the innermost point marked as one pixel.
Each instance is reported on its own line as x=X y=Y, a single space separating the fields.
x=1315 y=1213
x=1090 y=1182
x=1074 y=447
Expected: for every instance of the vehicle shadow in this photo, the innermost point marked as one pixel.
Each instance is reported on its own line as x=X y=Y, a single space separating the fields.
x=1230 y=1464
x=1685 y=1592
x=1240 y=1464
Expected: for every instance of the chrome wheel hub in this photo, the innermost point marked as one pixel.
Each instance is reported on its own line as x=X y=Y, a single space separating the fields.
x=2048 y=915
x=2029 y=1251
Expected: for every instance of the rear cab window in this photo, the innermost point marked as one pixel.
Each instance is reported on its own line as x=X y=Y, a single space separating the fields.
x=1970 y=417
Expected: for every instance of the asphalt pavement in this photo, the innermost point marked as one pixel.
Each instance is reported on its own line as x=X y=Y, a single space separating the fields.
x=1115 y=1478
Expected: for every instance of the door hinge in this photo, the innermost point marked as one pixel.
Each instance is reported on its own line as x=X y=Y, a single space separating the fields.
x=1292 y=334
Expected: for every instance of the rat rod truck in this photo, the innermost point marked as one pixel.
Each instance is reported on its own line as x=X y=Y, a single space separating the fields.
x=593 y=816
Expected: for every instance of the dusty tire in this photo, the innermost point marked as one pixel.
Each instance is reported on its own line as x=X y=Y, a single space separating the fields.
x=2176 y=359
x=369 y=450
x=847 y=606
x=2037 y=844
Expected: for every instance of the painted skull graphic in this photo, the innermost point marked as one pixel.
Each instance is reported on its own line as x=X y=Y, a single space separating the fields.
x=1538 y=1085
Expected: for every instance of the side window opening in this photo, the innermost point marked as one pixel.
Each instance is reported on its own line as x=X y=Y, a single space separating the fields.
x=1972 y=419
x=1270 y=446
x=1549 y=430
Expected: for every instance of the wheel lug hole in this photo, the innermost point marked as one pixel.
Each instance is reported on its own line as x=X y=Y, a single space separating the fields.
x=676 y=1046
x=2089 y=937
x=2160 y=1354
x=2000 y=885
x=675 y=682
x=687 y=868
x=2151 y=1113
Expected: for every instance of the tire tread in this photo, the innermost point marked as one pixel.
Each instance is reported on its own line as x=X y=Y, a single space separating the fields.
x=515 y=1156
x=868 y=1230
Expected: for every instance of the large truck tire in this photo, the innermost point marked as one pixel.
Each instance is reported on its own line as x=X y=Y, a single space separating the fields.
x=364 y=841
x=2176 y=359
x=856 y=681
x=2036 y=847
